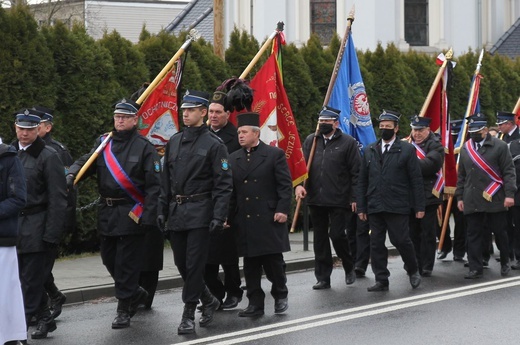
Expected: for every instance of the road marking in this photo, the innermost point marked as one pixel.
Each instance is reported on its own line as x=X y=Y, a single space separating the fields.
x=354 y=313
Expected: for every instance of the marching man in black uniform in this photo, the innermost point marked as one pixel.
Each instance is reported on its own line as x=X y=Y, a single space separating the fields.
x=41 y=221
x=511 y=135
x=332 y=179
x=260 y=205
x=57 y=298
x=389 y=175
x=223 y=247
x=195 y=190
x=430 y=154
x=128 y=176
x=486 y=187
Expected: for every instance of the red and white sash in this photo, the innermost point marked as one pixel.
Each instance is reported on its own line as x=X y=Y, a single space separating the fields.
x=496 y=179
x=439 y=184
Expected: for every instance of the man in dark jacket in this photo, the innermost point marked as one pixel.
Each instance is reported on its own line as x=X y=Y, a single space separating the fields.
x=486 y=187
x=261 y=202
x=57 y=298
x=13 y=194
x=41 y=221
x=430 y=154
x=511 y=135
x=332 y=179
x=195 y=190
x=223 y=247
x=128 y=177
x=390 y=185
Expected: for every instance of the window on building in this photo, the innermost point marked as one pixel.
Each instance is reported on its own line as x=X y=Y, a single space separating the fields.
x=416 y=22
x=323 y=19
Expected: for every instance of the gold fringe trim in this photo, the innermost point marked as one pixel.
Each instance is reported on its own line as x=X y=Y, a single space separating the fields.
x=134 y=217
x=486 y=196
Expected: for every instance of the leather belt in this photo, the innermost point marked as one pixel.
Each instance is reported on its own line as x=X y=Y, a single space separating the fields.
x=181 y=199
x=33 y=210
x=115 y=201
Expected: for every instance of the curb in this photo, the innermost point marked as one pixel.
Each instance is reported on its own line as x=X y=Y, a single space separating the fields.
x=90 y=293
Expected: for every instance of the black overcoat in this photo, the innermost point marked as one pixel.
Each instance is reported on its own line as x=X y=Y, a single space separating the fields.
x=262 y=187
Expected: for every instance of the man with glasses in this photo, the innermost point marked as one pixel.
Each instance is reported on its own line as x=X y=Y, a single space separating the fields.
x=128 y=176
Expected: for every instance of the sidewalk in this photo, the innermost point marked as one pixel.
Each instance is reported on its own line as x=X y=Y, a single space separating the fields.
x=85 y=279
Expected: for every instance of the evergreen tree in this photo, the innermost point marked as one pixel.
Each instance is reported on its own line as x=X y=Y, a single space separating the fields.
x=129 y=66
x=242 y=49
x=320 y=62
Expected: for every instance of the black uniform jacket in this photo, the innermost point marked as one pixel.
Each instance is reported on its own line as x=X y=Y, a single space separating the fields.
x=228 y=135
x=63 y=152
x=472 y=181
x=42 y=218
x=262 y=187
x=385 y=183
x=430 y=166
x=195 y=163
x=334 y=170
x=140 y=161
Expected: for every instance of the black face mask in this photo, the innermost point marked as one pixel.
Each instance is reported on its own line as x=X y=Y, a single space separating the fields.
x=476 y=137
x=387 y=133
x=325 y=128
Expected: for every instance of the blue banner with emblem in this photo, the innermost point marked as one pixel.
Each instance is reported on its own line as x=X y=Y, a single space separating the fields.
x=349 y=96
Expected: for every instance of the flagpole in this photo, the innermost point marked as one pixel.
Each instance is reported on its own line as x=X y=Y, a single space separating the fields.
x=333 y=78
x=192 y=35
x=438 y=77
x=463 y=129
x=517 y=106
x=279 y=28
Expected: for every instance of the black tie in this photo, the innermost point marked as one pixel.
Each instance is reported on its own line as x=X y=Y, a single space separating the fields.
x=386 y=148
x=326 y=141
x=478 y=146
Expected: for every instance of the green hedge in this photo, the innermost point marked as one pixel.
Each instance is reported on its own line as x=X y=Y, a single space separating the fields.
x=81 y=78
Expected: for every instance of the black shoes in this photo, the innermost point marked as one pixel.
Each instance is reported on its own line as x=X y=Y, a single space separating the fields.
x=426 y=273
x=187 y=325
x=378 y=286
x=504 y=270
x=281 y=305
x=473 y=275
x=360 y=272
x=57 y=302
x=321 y=285
x=231 y=302
x=122 y=320
x=44 y=327
x=251 y=311
x=415 y=280
x=210 y=304
x=442 y=255
x=350 y=277
x=140 y=297
x=458 y=258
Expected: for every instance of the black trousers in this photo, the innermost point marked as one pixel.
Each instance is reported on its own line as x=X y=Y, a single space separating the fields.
x=479 y=225
x=231 y=284
x=34 y=269
x=458 y=245
x=423 y=234
x=399 y=234
x=513 y=233
x=330 y=222
x=274 y=267
x=122 y=256
x=190 y=253
x=50 y=288
x=358 y=233
x=148 y=280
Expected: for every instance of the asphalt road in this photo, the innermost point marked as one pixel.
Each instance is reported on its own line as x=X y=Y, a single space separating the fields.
x=445 y=309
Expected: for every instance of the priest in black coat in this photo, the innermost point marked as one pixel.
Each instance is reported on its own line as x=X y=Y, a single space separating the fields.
x=259 y=208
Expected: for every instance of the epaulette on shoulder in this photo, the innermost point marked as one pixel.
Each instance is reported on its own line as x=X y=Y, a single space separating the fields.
x=216 y=137
x=59 y=144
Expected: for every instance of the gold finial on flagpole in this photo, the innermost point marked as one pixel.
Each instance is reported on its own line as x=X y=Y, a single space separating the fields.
x=449 y=54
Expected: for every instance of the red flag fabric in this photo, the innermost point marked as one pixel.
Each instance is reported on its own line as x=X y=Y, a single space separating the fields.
x=278 y=125
x=437 y=111
x=517 y=109
x=158 y=115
